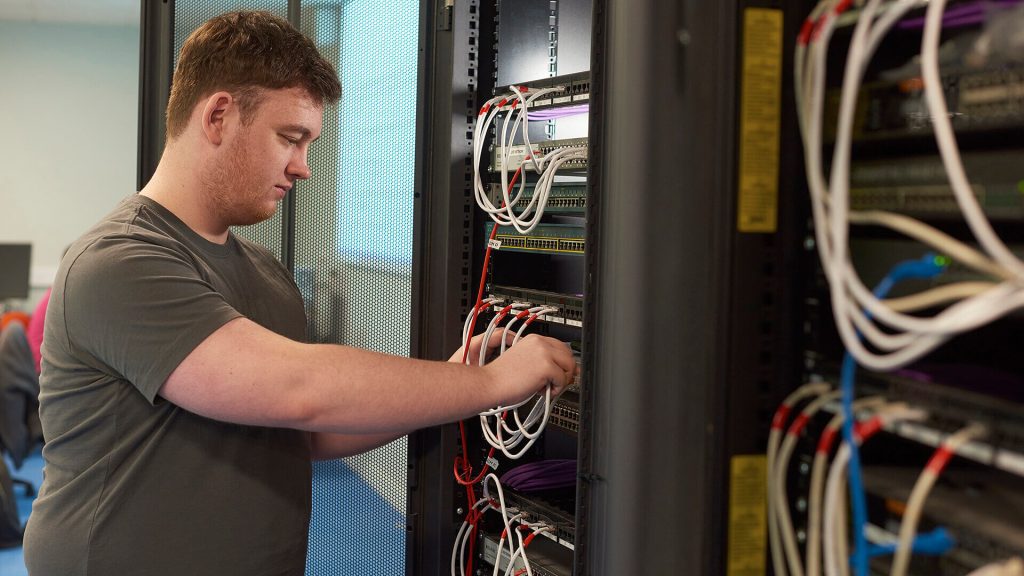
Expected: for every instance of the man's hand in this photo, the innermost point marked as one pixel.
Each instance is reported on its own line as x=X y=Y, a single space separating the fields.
x=533 y=363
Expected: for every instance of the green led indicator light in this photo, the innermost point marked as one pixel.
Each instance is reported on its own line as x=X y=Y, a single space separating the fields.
x=1020 y=186
x=942 y=261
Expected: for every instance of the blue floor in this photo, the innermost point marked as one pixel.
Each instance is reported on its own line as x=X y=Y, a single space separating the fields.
x=353 y=530
x=12 y=562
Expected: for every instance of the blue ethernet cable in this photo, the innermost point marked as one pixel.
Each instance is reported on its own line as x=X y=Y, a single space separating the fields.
x=928 y=266
x=934 y=543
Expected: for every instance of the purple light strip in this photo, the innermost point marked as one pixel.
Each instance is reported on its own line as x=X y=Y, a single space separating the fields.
x=555 y=113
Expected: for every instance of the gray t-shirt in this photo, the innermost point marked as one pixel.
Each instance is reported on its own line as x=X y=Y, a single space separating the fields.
x=133 y=483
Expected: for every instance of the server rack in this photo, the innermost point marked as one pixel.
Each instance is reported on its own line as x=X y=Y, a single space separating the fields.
x=675 y=293
x=474 y=47
x=968 y=381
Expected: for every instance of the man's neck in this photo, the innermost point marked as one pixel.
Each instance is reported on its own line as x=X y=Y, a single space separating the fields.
x=177 y=188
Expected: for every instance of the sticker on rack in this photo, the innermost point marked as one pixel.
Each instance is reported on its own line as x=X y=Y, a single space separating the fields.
x=494 y=243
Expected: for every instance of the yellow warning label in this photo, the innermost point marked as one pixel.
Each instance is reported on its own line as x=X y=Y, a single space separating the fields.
x=760 y=105
x=747 y=516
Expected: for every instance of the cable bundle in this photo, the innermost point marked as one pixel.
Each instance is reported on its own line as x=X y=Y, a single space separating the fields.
x=521 y=432
x=542 y=475
x=512 y=537
x=827 y=521
x=546 y=166
x=856 y=309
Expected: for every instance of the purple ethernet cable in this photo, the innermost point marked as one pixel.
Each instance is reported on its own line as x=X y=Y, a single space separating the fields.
x=964 y=14
x=541 y=475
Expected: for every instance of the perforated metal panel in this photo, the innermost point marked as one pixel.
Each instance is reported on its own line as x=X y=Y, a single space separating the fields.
x=353 y=250
x=189 y=15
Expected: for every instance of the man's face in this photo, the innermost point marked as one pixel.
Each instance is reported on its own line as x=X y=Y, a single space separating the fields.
x=261 y=161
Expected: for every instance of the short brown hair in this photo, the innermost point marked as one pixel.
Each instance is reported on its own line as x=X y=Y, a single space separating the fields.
x=244 y=53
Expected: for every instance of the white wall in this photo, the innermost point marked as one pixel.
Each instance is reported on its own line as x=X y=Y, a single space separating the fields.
x=68 y=118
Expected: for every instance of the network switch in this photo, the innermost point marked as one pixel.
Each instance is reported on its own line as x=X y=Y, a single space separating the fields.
x=563 y=199
x=919 y=186
x=565 y=413
x=517 y=153
x=545 y=238
x=978 y=99
x=576 y=90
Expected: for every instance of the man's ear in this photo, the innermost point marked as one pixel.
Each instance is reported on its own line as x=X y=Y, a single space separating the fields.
x=214 y=111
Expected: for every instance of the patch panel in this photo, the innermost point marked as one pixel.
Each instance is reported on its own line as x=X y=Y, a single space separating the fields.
x=545 y=238
x=570 y=307
x=576 y=91
x=545 y=558
x=537 y=509
x=949 y=408
x=518 y=152
x=918 y=185
x=563 y=199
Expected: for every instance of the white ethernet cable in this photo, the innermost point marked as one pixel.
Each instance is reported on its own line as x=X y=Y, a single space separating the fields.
x=915 y=504
x=514 y=551
x=466 y=336
x=782 y=467
x=829 y=209
x=462 y=538
x=1011 y=567
x=526 y=432
x=494 y=324
x=521 y=551
x=774 y=438
x=948 y=149
x=545 y=165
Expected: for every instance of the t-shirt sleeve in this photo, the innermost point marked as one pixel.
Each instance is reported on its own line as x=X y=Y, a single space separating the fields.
x=136 y=309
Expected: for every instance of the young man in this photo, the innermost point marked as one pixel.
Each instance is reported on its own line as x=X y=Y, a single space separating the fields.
x=180 y=408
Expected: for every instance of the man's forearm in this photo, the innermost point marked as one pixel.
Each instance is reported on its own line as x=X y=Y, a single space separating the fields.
x=356 y=392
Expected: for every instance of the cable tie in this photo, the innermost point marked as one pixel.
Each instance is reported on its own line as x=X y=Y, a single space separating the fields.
x=798 y=424
x=503 y=102
x=828 y=438
x=805 y=32
x=816 y=33
x=843 y=6
x=485 y=108
x=939 y=460
x=779 y=420
x=864 y=430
